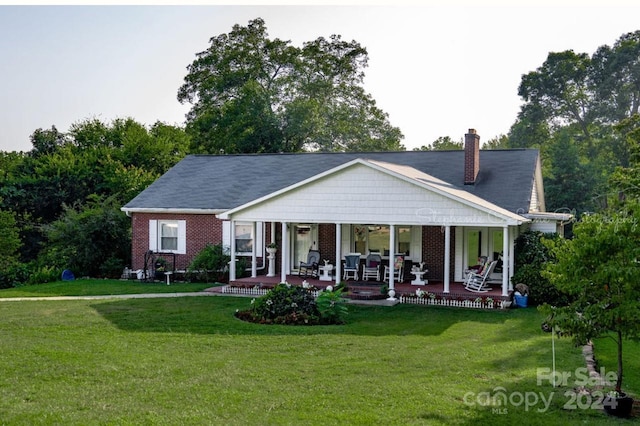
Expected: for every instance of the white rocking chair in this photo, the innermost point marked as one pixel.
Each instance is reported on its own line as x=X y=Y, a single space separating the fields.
x=477 y=283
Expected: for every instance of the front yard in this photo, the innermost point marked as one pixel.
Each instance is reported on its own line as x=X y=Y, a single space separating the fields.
x=189 y=361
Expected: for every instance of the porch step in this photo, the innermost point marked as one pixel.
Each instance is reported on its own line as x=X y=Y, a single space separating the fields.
x=364 y=291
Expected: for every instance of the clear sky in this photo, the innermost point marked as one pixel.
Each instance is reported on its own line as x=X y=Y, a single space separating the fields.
x=437 y=68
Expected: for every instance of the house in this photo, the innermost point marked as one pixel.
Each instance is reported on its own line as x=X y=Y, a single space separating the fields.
x=443 y=208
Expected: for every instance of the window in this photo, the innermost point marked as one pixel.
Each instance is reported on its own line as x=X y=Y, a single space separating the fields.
x=368 y=238
x=244 y=238
x=168 y=236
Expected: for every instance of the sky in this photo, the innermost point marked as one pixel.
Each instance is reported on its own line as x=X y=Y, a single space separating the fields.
x=437 y=68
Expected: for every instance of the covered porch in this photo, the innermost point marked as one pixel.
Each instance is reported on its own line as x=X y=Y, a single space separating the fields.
x=396 y=197
x=432 y=294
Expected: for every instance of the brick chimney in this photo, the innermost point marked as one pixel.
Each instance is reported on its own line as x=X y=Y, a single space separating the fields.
x=471 y=157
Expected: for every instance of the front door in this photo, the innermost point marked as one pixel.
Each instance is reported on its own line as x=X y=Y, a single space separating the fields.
x=304 y=238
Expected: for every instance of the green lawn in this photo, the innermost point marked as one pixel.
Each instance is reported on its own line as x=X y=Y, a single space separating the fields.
x=189 y=361
x=95 y=287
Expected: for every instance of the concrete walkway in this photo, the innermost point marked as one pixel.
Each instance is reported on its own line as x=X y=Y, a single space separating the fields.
x=110 y=296
x=382 y=302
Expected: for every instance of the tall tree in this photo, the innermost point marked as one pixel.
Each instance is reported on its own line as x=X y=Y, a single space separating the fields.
x=616 y=75
x=250 y=93
x=560 y=89
x=443 y=143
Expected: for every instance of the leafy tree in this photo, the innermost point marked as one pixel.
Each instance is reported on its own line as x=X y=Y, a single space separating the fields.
x=598 y=269
x=443 y=143
x=570 y=183
x=499 y=142
x=532 y=252
x=625 y=181
x=9 y=238
x=559 y=90
x=616 y=75
x=93 y=239
x=250 y=93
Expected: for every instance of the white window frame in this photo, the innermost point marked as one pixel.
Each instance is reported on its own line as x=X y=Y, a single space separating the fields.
x=155 y=235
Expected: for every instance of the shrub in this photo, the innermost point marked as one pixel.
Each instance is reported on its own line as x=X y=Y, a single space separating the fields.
x=532 y=252
x=210 y=264
x=295 y=305
x=332 y=307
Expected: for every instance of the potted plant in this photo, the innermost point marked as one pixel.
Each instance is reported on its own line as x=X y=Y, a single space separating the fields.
x=598 y=270
x=160 y=267
x=272 y=247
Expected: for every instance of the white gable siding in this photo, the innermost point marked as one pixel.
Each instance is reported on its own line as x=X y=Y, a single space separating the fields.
x=362 y=194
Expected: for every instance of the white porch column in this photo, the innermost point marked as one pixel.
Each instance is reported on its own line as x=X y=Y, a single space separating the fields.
x=254 y=257
x=506 y=260
x=338 y=268
x=447 y=257
x=392 y=256
x=232 y=248
x=512 y=244
x=284 y=255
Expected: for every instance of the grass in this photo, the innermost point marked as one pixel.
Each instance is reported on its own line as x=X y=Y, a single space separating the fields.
x=606 y=354
x=95 y=287
x=189 y=361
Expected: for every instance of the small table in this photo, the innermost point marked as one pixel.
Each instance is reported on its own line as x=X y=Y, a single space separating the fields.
x=326 y=270
x=418 y=280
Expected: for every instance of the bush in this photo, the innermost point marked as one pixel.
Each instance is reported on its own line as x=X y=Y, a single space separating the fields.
x=211 y=264
x=532 y=252
x=332 y=307
x=295 y=305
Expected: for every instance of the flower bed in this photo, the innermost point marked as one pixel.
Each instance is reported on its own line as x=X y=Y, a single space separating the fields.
x=454 y=300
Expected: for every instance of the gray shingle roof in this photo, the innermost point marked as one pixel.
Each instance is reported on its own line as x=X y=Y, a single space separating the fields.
x=221 y=182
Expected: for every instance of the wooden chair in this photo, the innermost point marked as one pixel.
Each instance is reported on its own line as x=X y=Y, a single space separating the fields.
x=477 y=283
x=351 y=266
x=371 y=267
x=398 y=269
x=310 y=268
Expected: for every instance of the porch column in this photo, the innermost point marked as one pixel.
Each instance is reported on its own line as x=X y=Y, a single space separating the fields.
x=447 y=257
x=284 y=254
x=273 y=232
x=392 y=257
x=254 y=257
x=512 y=244
x=338 y=267
x=506 y=255
x=232 y=248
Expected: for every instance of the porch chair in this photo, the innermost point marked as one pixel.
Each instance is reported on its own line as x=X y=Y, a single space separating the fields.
x=351 y=266
x=398 y=269
x=477 y=283
x=371 y=267
x=311 y=266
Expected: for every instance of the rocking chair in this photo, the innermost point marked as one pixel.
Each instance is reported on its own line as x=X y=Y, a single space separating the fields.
x=310 y=268
x=478 y=282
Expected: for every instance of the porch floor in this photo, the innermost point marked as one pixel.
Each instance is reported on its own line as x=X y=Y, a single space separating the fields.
x=456 y=289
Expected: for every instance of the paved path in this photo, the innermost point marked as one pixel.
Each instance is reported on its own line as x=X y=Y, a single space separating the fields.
x=110 y=296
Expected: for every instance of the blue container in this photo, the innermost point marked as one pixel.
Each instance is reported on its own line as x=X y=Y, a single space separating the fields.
x=521 y=301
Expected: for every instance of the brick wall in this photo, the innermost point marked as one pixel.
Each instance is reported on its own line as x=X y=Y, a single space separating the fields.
x=201 y=230
x=433 y=252
x=327 y=242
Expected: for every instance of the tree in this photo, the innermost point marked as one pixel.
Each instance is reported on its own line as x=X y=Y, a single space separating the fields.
x=616 y=75
x=499 y=142
x=443 y=143
x=570 y=184
x=9 y=238
x=93 y=239
x=559 y=88
x=598 y=269
x=250 y=93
